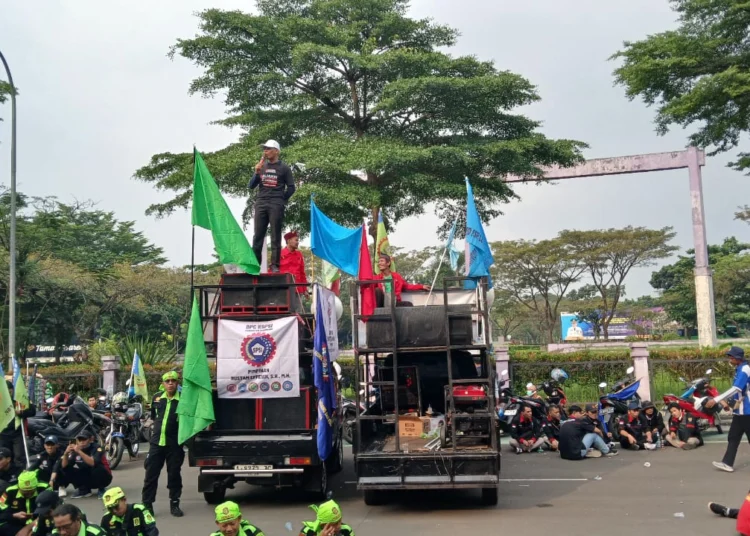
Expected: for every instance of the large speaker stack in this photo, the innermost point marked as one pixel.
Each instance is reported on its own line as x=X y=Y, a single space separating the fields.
x=258 y=294
x=419 y=327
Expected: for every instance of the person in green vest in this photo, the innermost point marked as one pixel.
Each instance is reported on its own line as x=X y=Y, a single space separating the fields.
x=164 y=447
x=70 y=521
x=18 y=503
x=230 y=522
x=123 y=519
x=328 y=522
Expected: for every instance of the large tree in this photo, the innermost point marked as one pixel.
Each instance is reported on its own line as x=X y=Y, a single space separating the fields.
x=610 y=254
x=368 y=103
x=696 y=75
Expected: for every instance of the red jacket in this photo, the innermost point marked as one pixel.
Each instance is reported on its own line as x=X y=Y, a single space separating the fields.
x=743 y=519
x=292 y=262
x=400 y=284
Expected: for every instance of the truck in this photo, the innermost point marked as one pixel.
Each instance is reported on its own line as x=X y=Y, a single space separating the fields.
x=268 y=442
x=425 y=407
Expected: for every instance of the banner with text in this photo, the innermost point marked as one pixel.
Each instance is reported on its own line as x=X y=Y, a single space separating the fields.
x=258 y=359
x=330 y=320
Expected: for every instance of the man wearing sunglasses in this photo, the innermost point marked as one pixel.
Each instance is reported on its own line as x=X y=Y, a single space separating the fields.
x=164 y=447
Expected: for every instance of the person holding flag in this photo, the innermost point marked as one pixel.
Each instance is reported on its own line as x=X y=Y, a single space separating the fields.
x=12 y=437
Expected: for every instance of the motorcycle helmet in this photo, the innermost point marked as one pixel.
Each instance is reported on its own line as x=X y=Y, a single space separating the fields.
x=120 y=401
x=559 y=375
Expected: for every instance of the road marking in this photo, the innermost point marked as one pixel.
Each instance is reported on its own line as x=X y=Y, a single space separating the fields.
x=544 y=479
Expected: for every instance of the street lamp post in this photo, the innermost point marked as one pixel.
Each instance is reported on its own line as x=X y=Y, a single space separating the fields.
x=12 y=284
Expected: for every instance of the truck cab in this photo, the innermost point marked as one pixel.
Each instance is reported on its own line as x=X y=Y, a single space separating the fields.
x=268 y=442
x=425 y=412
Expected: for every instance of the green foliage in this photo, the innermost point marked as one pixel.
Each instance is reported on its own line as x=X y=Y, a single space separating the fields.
x=697 y=74
x=348 y=86
x=151 y=352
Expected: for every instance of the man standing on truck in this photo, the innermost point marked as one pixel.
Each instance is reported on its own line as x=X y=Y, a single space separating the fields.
x=292 y=261
x=230 y=522
x=328 y=522
x=275 y=184
x=163 y=447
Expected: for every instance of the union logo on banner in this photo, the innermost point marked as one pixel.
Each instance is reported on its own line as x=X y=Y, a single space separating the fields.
x=258 y=350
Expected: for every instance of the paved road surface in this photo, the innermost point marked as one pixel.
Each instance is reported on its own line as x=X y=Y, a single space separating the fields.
x=617 y=496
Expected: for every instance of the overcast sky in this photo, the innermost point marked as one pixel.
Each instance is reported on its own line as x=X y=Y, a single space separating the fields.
x=98 y=97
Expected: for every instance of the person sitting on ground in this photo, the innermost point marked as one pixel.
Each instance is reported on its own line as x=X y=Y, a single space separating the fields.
x=526 y=432
x=18 y=503
x=70 y=521
x=84 y=465
x=632 y=429
x=46 y=462
x=393 y=278
x=551 y=427
x=9 y=471
x=683 y=431
x=43 y=524
x=328 y=522
x=653 y=421
x=123 y=519
x=742 y=514
x=230 y=522
x=581 y=437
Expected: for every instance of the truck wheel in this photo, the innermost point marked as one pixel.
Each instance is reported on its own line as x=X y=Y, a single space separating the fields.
x=374 y=497
x=335 y=462
x=489 y=496
x=216 y=496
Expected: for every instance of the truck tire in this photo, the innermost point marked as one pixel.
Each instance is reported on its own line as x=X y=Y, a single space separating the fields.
x=374 y=497
x=489 y=496
x=216 y=496
x=335 y=462
x=317 y=482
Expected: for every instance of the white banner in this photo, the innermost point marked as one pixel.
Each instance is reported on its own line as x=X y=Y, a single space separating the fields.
x=330 y=320
x=258 y=359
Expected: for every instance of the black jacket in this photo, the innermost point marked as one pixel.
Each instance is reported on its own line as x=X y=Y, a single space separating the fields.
x=275 y=183
x=11 y=431
x=76 y=462
x=571 y=437
x=520 y=429
x=551 y=429
x=45 y=465
x=13 y=502
x=635 y=427
x=686 y=427
x=655 y=422
x=137 y=521
x=164 y=413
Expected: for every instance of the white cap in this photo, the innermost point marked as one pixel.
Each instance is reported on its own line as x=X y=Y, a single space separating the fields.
x=272 y=144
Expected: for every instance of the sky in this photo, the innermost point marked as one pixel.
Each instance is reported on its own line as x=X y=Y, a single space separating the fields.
x=99 y=96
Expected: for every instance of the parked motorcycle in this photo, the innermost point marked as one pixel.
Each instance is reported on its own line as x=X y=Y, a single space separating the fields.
x=508 y=405
x=147 y=426
x=697 y=389
x=614 y=405
x=67 y=418
x=125 y=428
x=554 y=390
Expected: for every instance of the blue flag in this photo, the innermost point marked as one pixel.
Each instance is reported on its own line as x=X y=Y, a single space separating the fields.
x=452 y=251
x=334 y=243
x=138 y=384
x=478 y=252
x=324 y=383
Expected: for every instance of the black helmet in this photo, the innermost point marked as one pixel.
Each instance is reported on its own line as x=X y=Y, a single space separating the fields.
x=647 y=404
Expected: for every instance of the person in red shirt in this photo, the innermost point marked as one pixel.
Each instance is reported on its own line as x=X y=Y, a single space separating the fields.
x=292 y=261
x=393 y=278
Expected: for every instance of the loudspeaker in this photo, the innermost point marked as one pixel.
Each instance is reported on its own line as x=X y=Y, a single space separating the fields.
x=284 y=413
x=420 y=327
x=271 y=293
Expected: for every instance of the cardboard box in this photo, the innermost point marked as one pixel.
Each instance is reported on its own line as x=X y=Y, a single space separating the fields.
x=410 y=426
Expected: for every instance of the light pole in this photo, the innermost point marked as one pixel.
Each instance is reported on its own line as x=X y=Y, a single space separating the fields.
x=12 y=284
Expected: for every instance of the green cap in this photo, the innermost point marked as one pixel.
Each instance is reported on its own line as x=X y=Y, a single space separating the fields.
x=171 y=375
x=112 y=497
x=227 y=512
x=328 y=512
x=27 y=481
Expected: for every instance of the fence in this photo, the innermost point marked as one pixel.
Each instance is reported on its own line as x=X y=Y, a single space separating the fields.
x=665 y=374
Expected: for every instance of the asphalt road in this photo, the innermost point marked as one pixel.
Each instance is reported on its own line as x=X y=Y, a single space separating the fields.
x=540 y=495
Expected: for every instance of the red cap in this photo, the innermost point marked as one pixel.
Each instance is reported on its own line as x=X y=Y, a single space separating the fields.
x=290 y=234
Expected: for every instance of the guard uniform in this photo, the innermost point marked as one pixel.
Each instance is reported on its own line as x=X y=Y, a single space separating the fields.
x=46 y=502
x=309 y=529
x=230 y=511
x=326 y=513
x=87 y=529
x=20 y=497
x=46 y=463
x=246 y=529
x=164 y=448
x=137 y=521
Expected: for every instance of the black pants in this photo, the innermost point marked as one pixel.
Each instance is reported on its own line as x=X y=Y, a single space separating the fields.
x=15 y=445
x=85 y=477
x=265 y=214
x=740 y=425
x=173 y=456
x=624 y=443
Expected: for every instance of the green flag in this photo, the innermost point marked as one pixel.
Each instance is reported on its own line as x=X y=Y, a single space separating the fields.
x=196 y=407
x=20 y=394
x=211 y=212
x=7 y=411
x=382 y=245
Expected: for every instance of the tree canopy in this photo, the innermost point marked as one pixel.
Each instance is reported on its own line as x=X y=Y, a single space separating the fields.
x=696 y=75
x=367 y=105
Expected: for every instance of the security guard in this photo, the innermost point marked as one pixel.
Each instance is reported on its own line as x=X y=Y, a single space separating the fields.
x=327 y=522
x=18 y=503
x=123 y=519
x=70 y=521
x=164 y=447
x=230 y=522
x=46 y=502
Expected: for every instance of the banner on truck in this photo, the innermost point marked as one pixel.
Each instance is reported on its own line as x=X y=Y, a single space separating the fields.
x=258 y=359
x=330 y=322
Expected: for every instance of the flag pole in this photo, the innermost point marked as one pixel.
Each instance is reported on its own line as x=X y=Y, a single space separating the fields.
x=192 y=244
x=440 y=265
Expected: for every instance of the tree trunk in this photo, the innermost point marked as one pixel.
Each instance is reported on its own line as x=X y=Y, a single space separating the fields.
x=605 y=330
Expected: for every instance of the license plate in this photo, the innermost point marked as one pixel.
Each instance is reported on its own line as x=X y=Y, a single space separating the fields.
x=253 y=467
x=510 y=412
x=607 y=411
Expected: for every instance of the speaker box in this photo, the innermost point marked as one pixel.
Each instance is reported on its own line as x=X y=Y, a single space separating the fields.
x=272 y=293
x=420 y=327
x=284 y=413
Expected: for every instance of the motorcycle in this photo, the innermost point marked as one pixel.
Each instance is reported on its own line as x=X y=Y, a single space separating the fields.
x=509 y=404
x=554 y=390
x=147 y=426
x=67 y=418
x=696 y=389
x=125 y=428
x=614 y=404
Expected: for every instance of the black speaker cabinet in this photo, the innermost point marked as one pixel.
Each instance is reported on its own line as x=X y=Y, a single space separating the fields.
x=420 y=327
x=270 y=293
x=285 y=413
